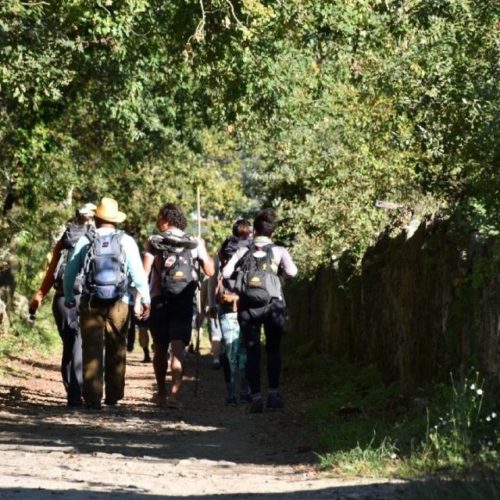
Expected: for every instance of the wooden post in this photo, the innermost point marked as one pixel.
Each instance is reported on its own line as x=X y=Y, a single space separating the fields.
x=198 y=301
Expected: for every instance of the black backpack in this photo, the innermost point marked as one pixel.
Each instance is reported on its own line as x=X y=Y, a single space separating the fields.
x=230 y=246
x=178 y=273
x=104 y=270
x=71 y=235
x=257 y=280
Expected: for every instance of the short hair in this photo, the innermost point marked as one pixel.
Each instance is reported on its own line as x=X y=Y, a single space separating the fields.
x=241 y=228
x=173 y=215
x=265 y=222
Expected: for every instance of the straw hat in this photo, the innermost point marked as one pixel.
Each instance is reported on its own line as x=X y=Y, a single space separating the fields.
x=107 y=210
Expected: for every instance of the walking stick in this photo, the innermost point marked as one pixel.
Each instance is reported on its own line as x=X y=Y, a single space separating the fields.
x=198 y=302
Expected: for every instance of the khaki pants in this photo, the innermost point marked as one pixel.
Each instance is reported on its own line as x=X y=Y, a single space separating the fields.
x=104 y=349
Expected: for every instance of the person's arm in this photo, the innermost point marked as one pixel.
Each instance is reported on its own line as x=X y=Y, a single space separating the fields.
x=136 y=270
x=207 y=263
x=287 y=267
x=73 y=267
x=229 y=268
x=148 y=259
x=212 y=283
x=48 y=280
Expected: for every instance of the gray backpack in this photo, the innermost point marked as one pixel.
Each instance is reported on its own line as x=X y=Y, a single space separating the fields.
x=71 y=235
x=105 y=267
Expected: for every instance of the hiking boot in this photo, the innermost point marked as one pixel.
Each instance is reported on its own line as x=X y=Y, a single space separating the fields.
x=274 y=401
x=76 y=403
x=256 y=406
x=96 y=405
x=245 y=397
x=232 y=401
x=110 y=402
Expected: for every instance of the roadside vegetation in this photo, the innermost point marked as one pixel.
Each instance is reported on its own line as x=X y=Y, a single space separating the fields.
x=370 y=428
x=32 y=338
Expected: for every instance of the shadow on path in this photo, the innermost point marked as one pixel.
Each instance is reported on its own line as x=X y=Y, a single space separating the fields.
x=35 y=416
x=433 y=489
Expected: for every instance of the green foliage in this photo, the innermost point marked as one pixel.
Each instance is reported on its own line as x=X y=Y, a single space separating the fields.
x=373 y=100
x=367 y=462
x=317 y=108
x=466 y=433
x=369 y=428
x=98 y=98
x=37 y=337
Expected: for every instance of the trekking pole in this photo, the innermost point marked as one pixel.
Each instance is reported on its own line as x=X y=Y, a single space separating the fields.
x=198 y=302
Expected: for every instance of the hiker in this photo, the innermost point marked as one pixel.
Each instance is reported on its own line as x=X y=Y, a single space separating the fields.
x=67 y=319
x=110 y=260
x=224 y=307
x=174 y=259
x=261 y=302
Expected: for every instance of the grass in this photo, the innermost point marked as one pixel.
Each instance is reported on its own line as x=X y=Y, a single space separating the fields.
x=371 y=429
x=26 y=336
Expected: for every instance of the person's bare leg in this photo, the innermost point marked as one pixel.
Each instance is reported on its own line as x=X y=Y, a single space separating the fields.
x=160 y=361
x=178 y=353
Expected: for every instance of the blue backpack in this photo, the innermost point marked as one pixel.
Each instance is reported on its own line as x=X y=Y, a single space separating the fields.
x=105 y=267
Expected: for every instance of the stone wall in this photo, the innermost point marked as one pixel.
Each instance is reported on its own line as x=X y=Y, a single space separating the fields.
x=421 y=304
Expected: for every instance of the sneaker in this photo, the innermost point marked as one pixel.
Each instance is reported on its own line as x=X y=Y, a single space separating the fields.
x=159 y=399
x=256 y=406
x=274 y=401
x=245 y=397
x=232 y=401
x=172 y=403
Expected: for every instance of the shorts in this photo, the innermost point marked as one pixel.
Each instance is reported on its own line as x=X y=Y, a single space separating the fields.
x=171 y=320
x=230 y=327
x=214 y=329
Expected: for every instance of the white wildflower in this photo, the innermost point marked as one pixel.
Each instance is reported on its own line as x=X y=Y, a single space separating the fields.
x=490 y=443
x=488 y=419
x=493 y=415
x=394 y=456
x=479 y=392
x=472 y=387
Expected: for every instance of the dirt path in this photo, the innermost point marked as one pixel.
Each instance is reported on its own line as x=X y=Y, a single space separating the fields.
x=136 y=450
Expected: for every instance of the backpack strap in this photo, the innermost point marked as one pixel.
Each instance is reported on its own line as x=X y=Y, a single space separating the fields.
x=91 y=236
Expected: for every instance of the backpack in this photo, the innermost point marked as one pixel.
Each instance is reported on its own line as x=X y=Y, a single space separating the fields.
x=257 y=280
x=71 y=235
x=178 y=273
x=104 y=270
x=225 y=289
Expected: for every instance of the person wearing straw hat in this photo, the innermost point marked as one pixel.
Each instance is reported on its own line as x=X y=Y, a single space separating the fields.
x=67 y=318
x=110 y=261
